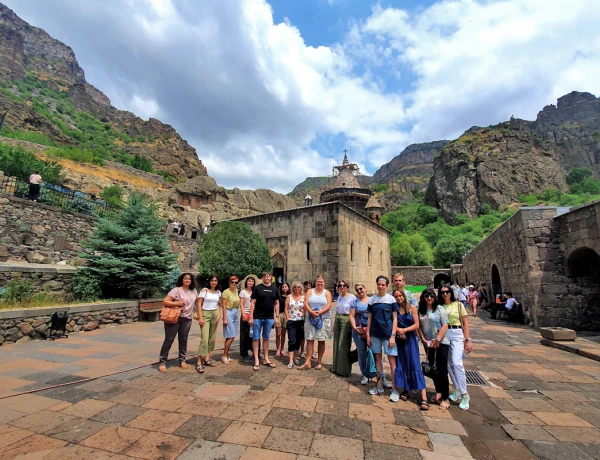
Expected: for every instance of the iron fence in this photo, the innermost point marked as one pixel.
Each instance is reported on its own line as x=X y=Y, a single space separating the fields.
x=55 y=195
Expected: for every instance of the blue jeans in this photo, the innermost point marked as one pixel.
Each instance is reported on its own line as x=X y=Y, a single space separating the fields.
x=266 y=325
x=361 y=346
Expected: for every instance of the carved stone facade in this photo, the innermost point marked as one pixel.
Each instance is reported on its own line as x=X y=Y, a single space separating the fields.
x=549 y=258
x=328 y=239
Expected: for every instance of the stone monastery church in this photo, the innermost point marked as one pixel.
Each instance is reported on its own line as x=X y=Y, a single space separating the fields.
x=339 y=238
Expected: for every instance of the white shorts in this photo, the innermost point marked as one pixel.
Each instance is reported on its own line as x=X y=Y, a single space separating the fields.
x=310 y=333
x=377 y=345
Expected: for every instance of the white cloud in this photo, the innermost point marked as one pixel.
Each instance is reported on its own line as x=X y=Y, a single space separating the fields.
x=252 y=97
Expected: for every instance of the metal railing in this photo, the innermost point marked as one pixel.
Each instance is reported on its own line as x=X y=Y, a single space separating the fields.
x=54 y=195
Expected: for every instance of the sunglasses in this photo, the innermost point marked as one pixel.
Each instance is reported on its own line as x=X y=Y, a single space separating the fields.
x=359 y=289
x=445 y=292
x=233 y=282
x=430 y=296
x=297 y=287
x=342 y=285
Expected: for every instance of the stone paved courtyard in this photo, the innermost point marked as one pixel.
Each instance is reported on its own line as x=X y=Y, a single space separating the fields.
x=542 y=403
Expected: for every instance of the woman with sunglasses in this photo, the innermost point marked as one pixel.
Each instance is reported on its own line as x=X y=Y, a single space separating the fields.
x=294 y=320
x=460 y=341
x=433 y=322
x=342 y=331
x=317 y=306
x=409 y=374
x=245 y=329
x=280 y=323
x=230 y=301
x=359 y=318
x=209 y=316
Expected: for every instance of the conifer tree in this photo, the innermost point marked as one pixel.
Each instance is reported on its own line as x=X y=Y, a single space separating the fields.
x=129 y=255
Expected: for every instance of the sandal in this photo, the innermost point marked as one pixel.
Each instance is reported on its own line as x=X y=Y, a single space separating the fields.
x=404 y=396
x=435 y=400
x=445 y=405
x=225 y=360
x=209 y=363
x=268 y=364
x=162 y=368
x=424 y=405
x=303 y=355
x=304 y=367
x=291 y=366
x=199 y=369
x=318 y=367
x=255 y=368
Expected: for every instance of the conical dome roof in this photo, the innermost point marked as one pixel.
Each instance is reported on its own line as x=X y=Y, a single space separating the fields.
x=372 y=203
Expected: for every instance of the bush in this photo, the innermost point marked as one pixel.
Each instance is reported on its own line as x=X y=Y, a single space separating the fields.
x=29 y=136
x=233 y=248
x=86 y=287
x=576 y=175
x=18 y=290
x=113 y=196
x=141 y=163
x=18 y=162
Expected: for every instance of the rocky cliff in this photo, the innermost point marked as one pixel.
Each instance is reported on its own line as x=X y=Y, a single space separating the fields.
x=27 y=50
x=494 y=165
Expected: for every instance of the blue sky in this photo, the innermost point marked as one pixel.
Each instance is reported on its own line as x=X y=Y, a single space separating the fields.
x=271 y=92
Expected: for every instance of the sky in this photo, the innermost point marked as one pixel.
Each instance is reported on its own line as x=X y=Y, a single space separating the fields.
x=270 y=93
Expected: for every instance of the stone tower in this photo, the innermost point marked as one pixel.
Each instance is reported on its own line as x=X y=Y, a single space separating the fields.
x=346 y=188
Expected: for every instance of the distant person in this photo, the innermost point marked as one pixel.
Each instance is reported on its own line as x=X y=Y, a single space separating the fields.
x=175 y=227
x=473 y=298
x=463 y=292
x=34 y=186
x=456 y=289
x=399 y=284
x=205 y=230
x=483 y=296
x=182 y=229
x=507 y=306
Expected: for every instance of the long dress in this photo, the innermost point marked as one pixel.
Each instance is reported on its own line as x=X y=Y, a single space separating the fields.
x=409 y=374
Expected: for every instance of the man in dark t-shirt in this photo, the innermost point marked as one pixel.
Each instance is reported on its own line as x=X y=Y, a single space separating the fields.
x=264 y=308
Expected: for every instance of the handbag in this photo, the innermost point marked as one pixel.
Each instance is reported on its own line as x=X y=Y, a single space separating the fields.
x=429 y=370
x=353 y=356
x=170 y=315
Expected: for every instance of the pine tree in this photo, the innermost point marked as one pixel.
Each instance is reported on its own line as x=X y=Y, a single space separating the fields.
x=129 y=255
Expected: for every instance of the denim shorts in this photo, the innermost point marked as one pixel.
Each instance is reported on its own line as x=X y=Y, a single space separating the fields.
x=230 y=330
x=266 y=325
x=378 y=344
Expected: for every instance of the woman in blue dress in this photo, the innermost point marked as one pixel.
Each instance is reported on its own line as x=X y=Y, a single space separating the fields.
x=409 y=374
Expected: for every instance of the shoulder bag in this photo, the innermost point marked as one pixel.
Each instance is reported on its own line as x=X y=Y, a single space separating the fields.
x=170 y=315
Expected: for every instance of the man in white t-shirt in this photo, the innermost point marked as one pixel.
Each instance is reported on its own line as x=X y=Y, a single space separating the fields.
x=34 y=186
x=507 y=306
x=175 y=227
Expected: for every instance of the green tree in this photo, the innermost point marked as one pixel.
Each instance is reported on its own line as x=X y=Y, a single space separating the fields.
x=18 y=162
x=233 y=248
x=576 y=175
x=142 y=163
x=129 y=255
x=112 y=195
x=402 y=252
x=451 y=249
x=423 y=252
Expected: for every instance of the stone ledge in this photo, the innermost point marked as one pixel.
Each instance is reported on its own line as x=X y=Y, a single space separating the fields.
x=29 y=203
x=80 y=308
x=558 y=333
x=36 y=268
x=582 y=347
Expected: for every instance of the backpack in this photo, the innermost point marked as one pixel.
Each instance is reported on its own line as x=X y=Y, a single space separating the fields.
x=370 y=369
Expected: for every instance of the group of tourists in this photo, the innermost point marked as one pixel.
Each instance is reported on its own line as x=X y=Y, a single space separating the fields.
x=383 y=323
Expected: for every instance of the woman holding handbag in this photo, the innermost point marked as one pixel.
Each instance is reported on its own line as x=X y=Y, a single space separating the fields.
x=460 y=342
x=433 y=322
x=342 y=331
x=184 y=297
x=209 y=316
x=359 y=318
x=409 y=375
x=230 y=302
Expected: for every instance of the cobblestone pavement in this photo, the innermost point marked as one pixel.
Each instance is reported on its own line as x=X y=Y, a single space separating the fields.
x=541 y=403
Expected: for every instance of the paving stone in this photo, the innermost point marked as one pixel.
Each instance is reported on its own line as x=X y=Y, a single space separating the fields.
x=521 y=418
x=114 y=438
x=245 y=412
x=591 y=449
x=533 y=406
x=158 y=446
x=209 y=428
x=574 y=434
x=486 y=431
x=358 y=398
x=295 y=402
x=329 y=407
x=321 y=393
x=145 y=382
x=214 y=392
x=119 y=414
x=8 y=415
x=500 y=450
x=76 y=430
x=371 y=413
x=87 y=408
x=307 y=381
x=336 y=448
x=211 y=408
x=208 y=450
x=447 y=444
x=503 y=404
x=294 y=420
x=564 y=395
x=410 y=418
x=577 y=407
x=335 y=384
x=438 y=425
x=42 y=421
x=557 y=450
x=105 y=389
x=415 y=438
x=36 y=446
x=156 y=420
x=259 y=398
x=528 y=432
x=66 y=393
x=246 y=434
x=31 y=404
x=76 y=452
x=133 y=397
x=284 y=388
x=379 y=451
x=561 y=419
x=10 y=435
x=291 y=441
x=346 y=427
x=254 y=453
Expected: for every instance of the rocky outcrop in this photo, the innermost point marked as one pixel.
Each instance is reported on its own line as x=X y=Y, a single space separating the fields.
x=24 y=49
x=416 y=159
x=491 y=166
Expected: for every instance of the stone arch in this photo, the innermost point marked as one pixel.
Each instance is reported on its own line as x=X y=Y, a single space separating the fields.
x=583 y=262
x=279 y=206
x=278 y=262
x=583 y=268
x=437 y=280
x=496 y=281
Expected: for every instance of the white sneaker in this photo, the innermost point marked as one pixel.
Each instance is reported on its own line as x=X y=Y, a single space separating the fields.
x=364 y=380
x=464 y=402
x=376 y=391
x=455 y=396
x=395 y=396
x=386 y=384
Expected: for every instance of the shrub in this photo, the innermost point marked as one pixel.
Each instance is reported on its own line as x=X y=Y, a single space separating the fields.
x=112 y=195
x=18 y=162
x=86 y=287
x=18 y=290
x=576 y=175
x=141 y=163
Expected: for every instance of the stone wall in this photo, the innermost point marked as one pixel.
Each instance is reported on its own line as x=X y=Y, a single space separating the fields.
x=51 y=278
x=38 y=233
x=315 y=240
x=25 y=325
x=424 y=275
x=186 y=250
x=548 y=258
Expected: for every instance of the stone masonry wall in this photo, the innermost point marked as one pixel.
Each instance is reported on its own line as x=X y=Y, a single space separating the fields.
x=40 y=233
x=54 y=278
x=415 y=276
x=25 y=325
